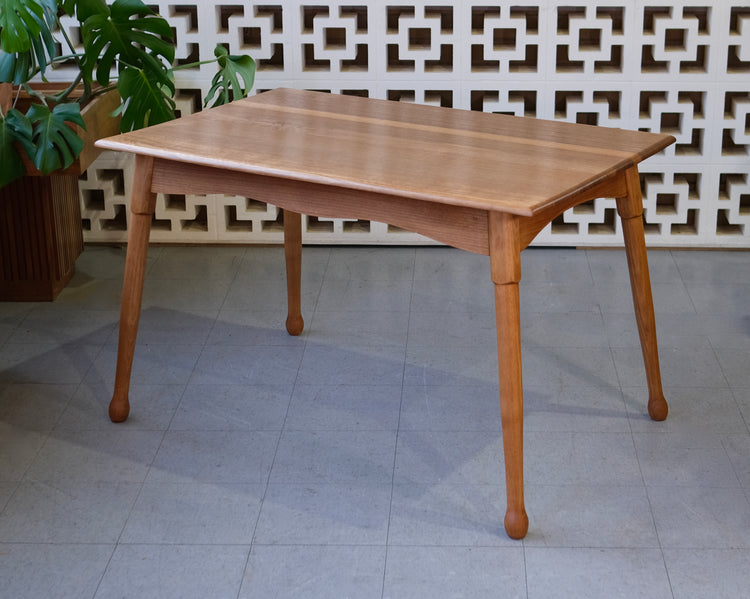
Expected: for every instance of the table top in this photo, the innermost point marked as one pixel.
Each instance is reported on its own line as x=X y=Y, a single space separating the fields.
x=496 y=162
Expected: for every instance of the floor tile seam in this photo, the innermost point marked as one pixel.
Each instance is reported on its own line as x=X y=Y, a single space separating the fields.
x=238 y=347
x=232 y=281
x=321 y=282
x=586 y=485
x=398 y=427
x=558 y=386
x=364 y=484
x=124 y=525
x=587 y=257
x=475 y=431
x=618 y=376
x=676 y=263
x=245 y=567
x=54 y=426
x=151 y=464
x=724 y=487
x=242 y=431
x=285 y=545
x=679 y=387
x=10 y=498
x=509 y=544
x=629 y=548
x=267 y=483
x=648 y=496
x=168 y=425
x=579 y=433
x=727 y=382
x=704 y=549
x=361 y=483
x=488 y=313
x=572 y=431
x=745 y=419
x=685 y=433
x=732 y=462
x=59 y=543
x=339 y=430
x=105 y=570
x=524 y=546
x=180 y=544
x=644 y=486
x=152 y=250
x=24 y=477
x=686 y=286
x=564 y=346
x=48 y=346
x=15 y=327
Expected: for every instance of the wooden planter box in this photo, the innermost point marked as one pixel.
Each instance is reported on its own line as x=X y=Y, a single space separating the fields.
x=40 y=218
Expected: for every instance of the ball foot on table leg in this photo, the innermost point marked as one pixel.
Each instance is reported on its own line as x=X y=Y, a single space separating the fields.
x=657 y=407
x=294 y=325
x=119 y=409
x=516 y=524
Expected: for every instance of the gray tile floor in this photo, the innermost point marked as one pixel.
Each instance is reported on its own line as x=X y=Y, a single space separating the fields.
x=363 y=459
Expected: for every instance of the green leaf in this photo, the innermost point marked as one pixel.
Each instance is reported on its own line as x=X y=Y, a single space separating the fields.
x=14 y=68
x=15 y=127
x=20 y=22
x=126 y=32
x=25 y=29
x=226 y=84
x=56 y=144
x=147 y=97
x=82 y=9
x=20 y=126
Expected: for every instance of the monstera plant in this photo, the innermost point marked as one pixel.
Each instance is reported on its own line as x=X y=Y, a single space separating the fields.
x=47 y=131
x=123 y=45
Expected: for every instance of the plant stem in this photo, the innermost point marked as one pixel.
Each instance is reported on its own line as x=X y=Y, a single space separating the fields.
x=103 y=90
x=34 y=94
x=193 y=64
x=61 y=96
x=79 y=64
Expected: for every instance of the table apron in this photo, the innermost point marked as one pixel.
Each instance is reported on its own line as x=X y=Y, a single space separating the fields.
x=462 y=227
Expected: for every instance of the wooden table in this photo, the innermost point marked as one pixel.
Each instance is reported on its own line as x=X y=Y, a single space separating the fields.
x=480 y=182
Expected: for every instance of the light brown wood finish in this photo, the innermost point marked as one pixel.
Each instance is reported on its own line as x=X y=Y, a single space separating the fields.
x=483 y=183
x=142 y=207
x=505 y=266
x=454 y=157
x=293 y=255
x=630 y=209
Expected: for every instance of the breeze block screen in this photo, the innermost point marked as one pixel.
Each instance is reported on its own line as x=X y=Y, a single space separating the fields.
x=671 y=66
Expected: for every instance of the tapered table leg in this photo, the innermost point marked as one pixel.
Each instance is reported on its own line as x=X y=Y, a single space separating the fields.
x=505 y=258
x=293 y=255
x=142 y=206
x=630 y=209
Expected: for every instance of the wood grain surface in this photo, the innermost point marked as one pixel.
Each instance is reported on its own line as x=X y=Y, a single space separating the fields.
x=472 y=159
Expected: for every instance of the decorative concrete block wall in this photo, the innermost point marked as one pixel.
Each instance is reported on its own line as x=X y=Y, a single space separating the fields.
x=674 y=66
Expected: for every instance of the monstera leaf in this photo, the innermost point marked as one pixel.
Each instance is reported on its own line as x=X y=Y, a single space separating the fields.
x=23 y=20
x=226 y=84
x=83 y=9
x=14 y=127
x=26 y=41
x=127 y=32
x=56 y=145
x=147 y=97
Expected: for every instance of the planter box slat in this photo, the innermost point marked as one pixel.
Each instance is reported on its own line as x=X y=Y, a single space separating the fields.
x=40 y=237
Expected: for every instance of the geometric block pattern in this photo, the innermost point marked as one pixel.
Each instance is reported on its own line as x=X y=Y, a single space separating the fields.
x=674 y=66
